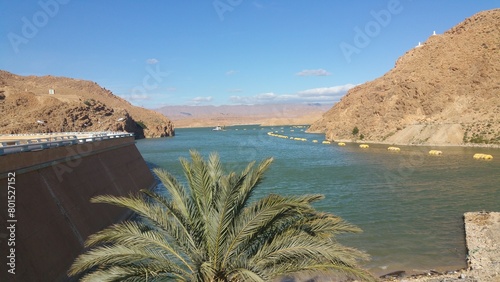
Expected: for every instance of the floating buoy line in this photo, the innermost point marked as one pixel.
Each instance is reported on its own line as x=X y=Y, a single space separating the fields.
x=478 y=156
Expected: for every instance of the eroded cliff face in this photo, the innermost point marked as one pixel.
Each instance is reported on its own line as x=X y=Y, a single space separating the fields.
x=444 y=92
x=76 y=105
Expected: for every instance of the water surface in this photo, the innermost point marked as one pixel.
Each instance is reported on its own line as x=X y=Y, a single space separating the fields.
x=409 y=204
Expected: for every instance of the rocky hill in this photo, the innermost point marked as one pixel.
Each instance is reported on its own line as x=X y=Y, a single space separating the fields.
x=266 y=114
x=31 y=104
x=445 y=92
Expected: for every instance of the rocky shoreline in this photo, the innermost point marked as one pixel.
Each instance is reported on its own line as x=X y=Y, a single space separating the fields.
x=482 y=234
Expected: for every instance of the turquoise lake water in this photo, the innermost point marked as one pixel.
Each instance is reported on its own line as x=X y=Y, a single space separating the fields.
x=409 y=204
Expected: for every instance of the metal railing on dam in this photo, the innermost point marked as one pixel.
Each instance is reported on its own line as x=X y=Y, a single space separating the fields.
x=16 y=143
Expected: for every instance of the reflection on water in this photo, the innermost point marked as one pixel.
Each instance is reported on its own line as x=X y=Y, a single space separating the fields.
x=409 y=204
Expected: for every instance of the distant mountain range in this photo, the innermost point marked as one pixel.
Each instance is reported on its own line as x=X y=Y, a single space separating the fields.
x=266 y=114
x=444 y=92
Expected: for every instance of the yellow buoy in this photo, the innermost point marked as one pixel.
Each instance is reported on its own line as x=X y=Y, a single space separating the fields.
x=326 y=142
x=394 y=149
x=341 y=144
x=315 y=141
x=364 y=146
x=478 y=156
x=435 y=152
x=482 y=157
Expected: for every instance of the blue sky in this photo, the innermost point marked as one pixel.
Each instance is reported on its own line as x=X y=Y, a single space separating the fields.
x=220 y=52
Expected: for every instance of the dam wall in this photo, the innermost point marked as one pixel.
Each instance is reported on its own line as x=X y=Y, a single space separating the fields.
x=46 y=214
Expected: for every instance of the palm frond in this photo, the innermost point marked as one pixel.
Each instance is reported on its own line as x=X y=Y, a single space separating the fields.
x=299 y=248
x=221 y=218
x=202 y=192
x=131 y=274
x=214 y=167
x=108 y=256
x=176 y=218
x=249 y=180
x=244 y=274
x=179 y=198
x=259 y=216
x=298 y=260
x=325 y=225
x=133 y=235
x=156 y=217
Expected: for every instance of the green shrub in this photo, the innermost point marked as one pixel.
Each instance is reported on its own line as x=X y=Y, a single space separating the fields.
x=355 y=131
x=89 y=102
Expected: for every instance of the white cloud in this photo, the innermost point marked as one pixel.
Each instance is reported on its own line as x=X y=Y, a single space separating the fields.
x=326 y=91
x=318 y=72
x=266 y=96
x=152 y=61
x=315 y=95
x=201 y=100
x=256 y=99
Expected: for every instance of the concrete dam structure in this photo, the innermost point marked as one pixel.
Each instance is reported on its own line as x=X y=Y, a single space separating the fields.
x=46 y=183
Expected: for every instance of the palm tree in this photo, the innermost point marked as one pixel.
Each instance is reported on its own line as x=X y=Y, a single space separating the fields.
x=209 y=230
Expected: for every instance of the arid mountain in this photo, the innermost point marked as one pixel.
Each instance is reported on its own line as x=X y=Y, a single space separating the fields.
x=446 y=91
x=268 y=114
x=31 y=104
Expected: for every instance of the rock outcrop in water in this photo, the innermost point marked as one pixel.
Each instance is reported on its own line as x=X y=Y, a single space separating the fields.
x=445 y=92
x=72 y=105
